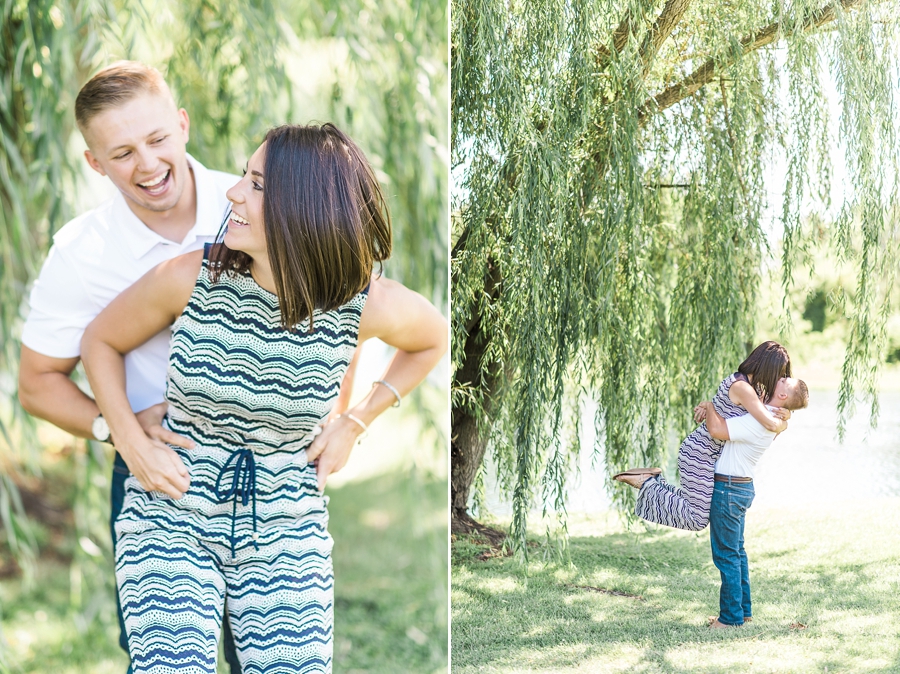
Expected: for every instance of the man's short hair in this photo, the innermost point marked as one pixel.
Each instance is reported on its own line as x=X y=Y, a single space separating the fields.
x=116 y=84
x=799 y=397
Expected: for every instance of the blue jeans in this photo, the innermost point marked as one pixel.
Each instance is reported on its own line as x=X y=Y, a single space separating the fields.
x=116 y=497
x=728 y=509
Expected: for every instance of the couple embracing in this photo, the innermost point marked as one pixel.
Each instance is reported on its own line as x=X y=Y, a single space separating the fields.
x=218 y=319
x=716 y=464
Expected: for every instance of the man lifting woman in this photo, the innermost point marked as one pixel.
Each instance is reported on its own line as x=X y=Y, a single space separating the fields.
x=716 y=464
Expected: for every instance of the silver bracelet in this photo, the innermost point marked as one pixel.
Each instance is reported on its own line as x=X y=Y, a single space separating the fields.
x=391 y=389
x=358 y=422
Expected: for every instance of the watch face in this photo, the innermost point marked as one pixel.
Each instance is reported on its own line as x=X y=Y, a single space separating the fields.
x=100 y=429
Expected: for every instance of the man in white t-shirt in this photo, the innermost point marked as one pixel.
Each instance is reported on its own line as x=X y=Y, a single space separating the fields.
x=746 y=441
x=167 y=204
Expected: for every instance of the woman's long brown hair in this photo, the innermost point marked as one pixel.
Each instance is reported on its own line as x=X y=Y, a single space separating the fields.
x=766 y=364
x=326 y=221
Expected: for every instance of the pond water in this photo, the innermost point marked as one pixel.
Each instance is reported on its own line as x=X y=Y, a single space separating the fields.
x=806 y=464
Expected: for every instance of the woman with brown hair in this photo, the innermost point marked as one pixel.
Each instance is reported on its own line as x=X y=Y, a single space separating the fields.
x=747 y=391
x=264 y=324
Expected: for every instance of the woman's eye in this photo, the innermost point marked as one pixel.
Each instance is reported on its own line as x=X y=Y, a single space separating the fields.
x=257 y=186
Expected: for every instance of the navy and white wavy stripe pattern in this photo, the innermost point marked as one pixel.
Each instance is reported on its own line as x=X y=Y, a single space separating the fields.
x=236 y=380
x=687 y=506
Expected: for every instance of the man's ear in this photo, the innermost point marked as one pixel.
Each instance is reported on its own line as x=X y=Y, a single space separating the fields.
x=93 y=163
x=185 y=123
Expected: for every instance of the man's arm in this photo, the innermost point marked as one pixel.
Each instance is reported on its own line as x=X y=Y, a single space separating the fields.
x=46 y=391
x=61 y=308
x=718 y=426
x=715 y=423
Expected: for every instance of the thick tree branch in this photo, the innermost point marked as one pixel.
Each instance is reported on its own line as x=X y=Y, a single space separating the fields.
x=658 y=33
x=662 y=28
x=626 y=28
x=709 y=70
x=620 y=37
x=460 y=244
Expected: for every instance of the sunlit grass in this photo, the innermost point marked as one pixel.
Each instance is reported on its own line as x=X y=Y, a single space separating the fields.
x=834 y=569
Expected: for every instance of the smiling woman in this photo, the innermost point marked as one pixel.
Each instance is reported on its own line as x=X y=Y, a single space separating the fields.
x=264 y=328
x=305 y=237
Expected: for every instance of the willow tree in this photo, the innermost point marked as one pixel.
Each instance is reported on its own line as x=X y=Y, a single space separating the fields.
x=608 y=232
x=239 y=67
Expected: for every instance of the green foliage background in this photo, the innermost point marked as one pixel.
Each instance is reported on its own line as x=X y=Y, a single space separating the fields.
x=378 y=70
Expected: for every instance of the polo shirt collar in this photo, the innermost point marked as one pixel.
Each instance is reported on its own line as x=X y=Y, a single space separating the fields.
x=141 y=239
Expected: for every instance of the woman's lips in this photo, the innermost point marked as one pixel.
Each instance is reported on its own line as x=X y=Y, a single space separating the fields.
x=237 y=220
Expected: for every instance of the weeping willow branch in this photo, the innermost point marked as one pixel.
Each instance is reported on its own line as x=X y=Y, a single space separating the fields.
x=665 y=23
x=662 y=28
x=731 y=139
x=765 y=36
x=620 y=36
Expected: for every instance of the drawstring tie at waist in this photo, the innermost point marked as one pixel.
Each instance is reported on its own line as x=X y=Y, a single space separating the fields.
x=243 y=486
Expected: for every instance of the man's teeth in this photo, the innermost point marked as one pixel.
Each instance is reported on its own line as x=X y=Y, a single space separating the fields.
x=153 y=183
x=238 y=219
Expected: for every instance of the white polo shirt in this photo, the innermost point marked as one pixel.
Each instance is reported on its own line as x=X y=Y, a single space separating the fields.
x=748 y=440
x=99 y=254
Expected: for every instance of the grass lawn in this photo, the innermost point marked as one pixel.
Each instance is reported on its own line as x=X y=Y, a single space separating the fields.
x=826 y=598
x=390 y=559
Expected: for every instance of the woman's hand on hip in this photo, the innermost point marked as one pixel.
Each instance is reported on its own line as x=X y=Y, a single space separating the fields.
x=331 y=448
x=156 y=466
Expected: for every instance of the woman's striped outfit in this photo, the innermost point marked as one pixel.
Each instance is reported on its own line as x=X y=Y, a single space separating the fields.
x=250 y=537
x=687 y=506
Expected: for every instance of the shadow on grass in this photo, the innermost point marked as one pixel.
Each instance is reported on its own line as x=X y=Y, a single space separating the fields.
x=390 y=560
x=559 y=616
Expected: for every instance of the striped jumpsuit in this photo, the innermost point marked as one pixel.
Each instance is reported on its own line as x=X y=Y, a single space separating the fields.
x=250 y=537
x=687 y=506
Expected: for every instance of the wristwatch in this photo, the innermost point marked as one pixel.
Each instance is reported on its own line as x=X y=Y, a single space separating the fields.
x=100 y=429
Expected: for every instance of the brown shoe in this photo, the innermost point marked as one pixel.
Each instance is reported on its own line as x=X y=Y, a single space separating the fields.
x=635 y=480
x=638 y=471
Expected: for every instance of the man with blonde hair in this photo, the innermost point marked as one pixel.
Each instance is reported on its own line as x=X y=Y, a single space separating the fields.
x=166 y=204
x=745 y=442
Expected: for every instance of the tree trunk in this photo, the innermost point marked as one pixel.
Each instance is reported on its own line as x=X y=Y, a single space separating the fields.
x=469 y=437
x=469 y=440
